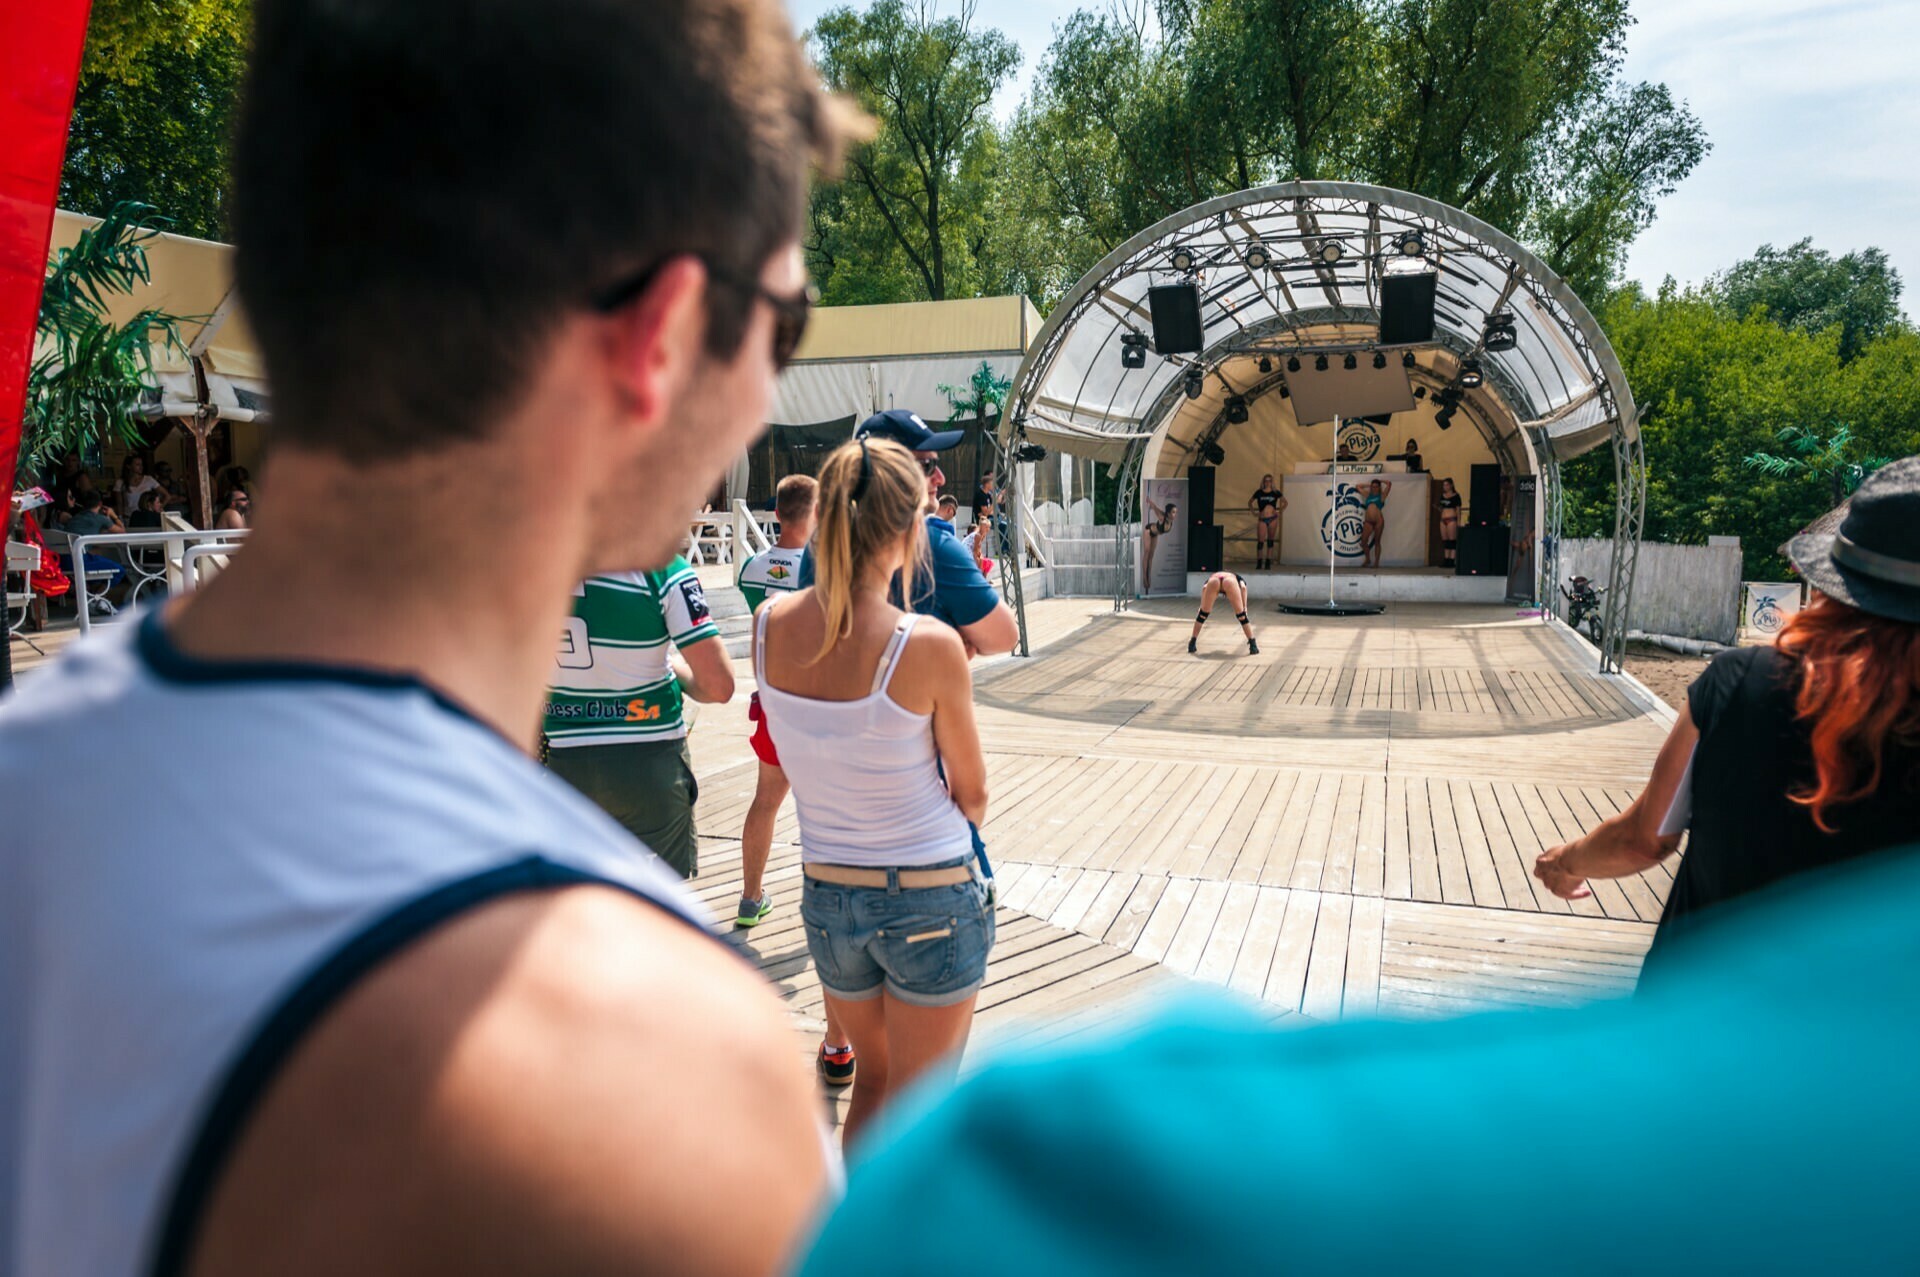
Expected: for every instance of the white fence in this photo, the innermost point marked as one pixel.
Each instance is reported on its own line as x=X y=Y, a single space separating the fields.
x=1692 y=591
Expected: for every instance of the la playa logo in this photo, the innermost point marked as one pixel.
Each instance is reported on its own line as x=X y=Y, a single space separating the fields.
x=1341 y=526
x=1360 y=440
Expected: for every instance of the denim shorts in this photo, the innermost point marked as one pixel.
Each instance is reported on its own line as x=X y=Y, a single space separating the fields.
x=924 y=945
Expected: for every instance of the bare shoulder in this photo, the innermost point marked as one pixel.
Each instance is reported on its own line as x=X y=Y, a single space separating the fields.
x=568 y=1081
x=936 y=644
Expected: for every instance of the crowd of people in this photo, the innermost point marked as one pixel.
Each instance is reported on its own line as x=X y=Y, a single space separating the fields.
x=359 y=986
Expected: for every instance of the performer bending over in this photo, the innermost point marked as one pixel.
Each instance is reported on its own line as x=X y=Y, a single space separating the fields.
x=1150 y=533
x=1373 y=521
x=1234 y=586
x=1449 y=503
x=1266 y=504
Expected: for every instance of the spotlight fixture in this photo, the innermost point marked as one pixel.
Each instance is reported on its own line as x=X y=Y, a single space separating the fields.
x=1236 y=409
x=1408 y=361
x=1257 y=258
x=1419 y=392
x=1500 y=333
x=1349 y=363
x=1411 y=245
x=1284 y=392
x=1133 y=350
x=1470 y=377
x=1213 y=453
x=1196 y=383
x=1030 y=452
x=1449 y=397
x=1444 y=418
x=1293 y=363
x=1319 y=363
x=1182 y=260
x=1266 y=364
x=1379 y=360
x=1331 y=251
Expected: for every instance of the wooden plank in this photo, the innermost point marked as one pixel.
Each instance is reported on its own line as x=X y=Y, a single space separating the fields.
x=1164 y=922
x=1196 y=928
x=1327 y=963
x=1255 y=959
x=1360 y=993
x=1287 y=977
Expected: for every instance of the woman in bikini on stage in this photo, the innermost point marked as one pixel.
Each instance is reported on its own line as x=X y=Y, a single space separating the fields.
x=1373 y=521
x=1234 y=586
x=1449 y=503
x=1150 y=533
x=1266 y=505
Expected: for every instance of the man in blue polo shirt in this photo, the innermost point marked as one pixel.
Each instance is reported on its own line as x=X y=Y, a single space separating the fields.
x=952 y=589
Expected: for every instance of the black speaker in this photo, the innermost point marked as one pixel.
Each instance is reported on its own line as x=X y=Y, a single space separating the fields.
x=1406 y=308
x=1206 y=548
x=1200 y=495
x=1482 y=550
x=1483 y=495
x=1176 y=318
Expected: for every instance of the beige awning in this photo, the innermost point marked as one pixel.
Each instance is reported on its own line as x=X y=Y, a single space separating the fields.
x=974 y=326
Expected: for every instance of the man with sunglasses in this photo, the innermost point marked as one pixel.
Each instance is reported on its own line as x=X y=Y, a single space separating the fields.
x=393 y=999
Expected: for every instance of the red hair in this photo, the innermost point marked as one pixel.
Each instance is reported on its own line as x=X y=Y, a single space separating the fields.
x=1859 y=688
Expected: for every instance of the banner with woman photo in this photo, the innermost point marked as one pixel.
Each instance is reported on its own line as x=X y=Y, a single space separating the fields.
x=1163 y=536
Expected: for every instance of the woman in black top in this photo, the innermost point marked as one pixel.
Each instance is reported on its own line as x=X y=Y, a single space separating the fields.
x=1449 y=503
x=1151 y=530
x=1266 y=504
x=1792 y=757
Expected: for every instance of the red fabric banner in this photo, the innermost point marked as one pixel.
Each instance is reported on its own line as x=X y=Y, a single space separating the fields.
x=40 y=46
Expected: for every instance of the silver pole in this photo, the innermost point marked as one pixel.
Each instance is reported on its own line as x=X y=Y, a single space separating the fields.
x=1333 y=513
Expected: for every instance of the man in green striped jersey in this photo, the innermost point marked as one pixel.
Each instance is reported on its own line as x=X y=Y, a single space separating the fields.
x=614 y=723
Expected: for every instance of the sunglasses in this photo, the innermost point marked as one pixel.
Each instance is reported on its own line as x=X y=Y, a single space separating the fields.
x=790 y=314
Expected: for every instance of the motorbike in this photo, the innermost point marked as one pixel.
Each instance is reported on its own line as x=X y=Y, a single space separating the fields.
x=1583 y=607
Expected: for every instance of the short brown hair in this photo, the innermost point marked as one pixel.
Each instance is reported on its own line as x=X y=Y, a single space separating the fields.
x=423 y=190
x=795 y=497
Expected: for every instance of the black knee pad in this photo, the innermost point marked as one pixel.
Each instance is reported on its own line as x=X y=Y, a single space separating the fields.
x=1240 y=617
x=1201 y=617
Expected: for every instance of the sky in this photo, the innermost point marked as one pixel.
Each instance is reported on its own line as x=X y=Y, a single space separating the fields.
x=1812 y=107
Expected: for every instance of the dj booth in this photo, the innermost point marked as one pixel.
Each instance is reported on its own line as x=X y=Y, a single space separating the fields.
x=1324 y=513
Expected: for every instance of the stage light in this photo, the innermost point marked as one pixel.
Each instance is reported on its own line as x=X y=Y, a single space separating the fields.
x=1419 y=392
x=1500 y=333
x=1266 y=364
x=1349 y=363
x=1379 y=360
x=1030 y=452
x=1411 y=245
x=1470 y=377
x=1257 y=258
x=1293 y=363
x=1449 y=397
x=1182 y=260
x=1284 y=392
x=1212 y=453
x=1133 y=350
x=1444 y=418
x=1408 y=361
x=1236 y=409
x=1319 y=363
x=1196 y=383
x=1331 y=252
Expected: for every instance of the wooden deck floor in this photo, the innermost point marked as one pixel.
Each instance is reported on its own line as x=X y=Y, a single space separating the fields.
x=1341 y=825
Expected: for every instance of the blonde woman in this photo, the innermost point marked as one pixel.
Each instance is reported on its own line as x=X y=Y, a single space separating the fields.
x=871 y=708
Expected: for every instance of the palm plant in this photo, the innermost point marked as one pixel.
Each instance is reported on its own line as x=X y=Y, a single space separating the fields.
x=89 y=374
x=984 y=393
x=1829 y=458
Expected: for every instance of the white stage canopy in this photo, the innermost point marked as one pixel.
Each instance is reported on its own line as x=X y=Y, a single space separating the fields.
x=1297 y=268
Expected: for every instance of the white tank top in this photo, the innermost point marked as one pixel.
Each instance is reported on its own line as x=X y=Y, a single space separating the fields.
x=199 y=860
x=865 y=774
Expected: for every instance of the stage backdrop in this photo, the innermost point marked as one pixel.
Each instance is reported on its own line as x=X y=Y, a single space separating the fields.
x=1324 y=511
x=1166 y=573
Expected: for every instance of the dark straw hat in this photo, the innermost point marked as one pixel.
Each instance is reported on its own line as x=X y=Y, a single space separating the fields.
x=1872 y=561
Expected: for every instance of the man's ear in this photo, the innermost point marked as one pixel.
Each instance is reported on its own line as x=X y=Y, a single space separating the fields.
x=655 y=341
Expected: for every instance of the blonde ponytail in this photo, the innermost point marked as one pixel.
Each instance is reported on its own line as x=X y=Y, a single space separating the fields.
x=872 y=493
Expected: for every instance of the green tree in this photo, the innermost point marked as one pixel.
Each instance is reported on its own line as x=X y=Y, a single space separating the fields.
x=914 y=204
x=1514 y=110
x=1834 y=460
x=154 y=109
x=1804 y=288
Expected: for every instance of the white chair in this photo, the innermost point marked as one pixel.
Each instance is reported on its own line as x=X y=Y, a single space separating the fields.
x=23 y=560
x=711 y=541
x=99 y=580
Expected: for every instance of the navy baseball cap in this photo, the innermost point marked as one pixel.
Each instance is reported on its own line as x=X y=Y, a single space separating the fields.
x=906 y=429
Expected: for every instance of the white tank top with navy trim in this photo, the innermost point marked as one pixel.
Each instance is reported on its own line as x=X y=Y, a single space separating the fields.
x=195 y=861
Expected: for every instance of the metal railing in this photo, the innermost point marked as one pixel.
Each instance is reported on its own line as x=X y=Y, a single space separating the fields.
x=146 y=574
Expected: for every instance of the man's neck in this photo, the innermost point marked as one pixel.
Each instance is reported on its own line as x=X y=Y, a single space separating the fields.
x=360 y=570
x=791 y=541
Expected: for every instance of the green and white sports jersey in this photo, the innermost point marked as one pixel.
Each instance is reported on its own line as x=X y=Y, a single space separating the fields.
x=773 y=571
x=612 y=683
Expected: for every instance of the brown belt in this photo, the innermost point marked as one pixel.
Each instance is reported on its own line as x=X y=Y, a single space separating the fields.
x=847 y=876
